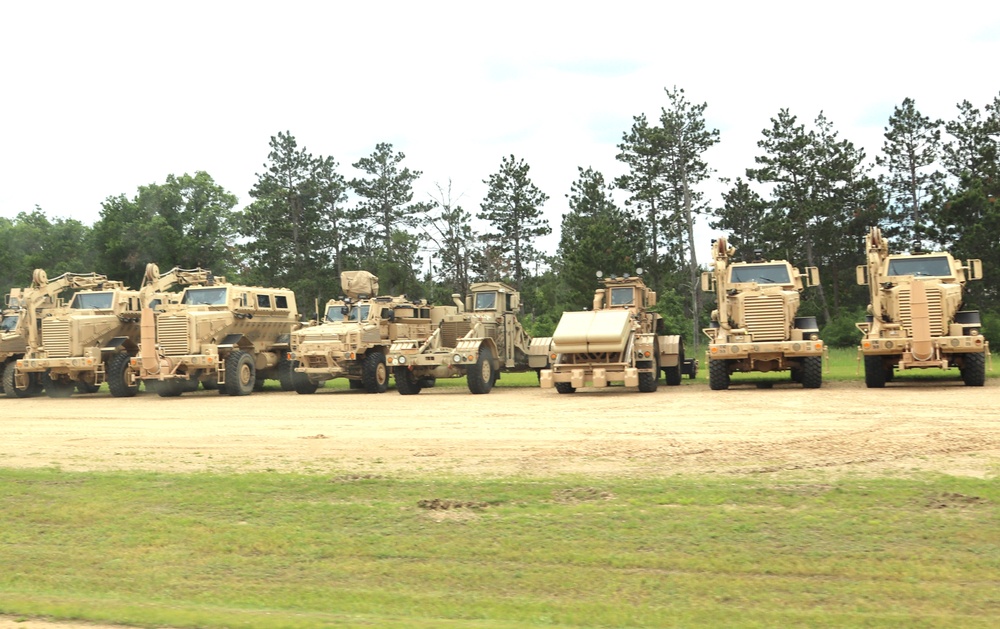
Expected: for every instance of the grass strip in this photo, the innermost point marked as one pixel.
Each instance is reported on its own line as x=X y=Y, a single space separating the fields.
x=277 y=550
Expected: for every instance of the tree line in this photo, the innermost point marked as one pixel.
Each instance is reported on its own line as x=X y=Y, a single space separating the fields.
x=809 y=198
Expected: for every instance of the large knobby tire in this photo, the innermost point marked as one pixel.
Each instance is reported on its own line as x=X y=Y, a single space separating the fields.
x=565 y=387
x=648 y=381
x=355 y=385
x=406 y=382
x=672 y=375
x=54 y=387
x=974 y=370
x=718 y=375
x=286 y=374
x=481 y=375
x=117 y=375
x=241 y=374
x=300 y=381
x=375 y=373
x=10 y=389
x=875 y=376
x=812 y=372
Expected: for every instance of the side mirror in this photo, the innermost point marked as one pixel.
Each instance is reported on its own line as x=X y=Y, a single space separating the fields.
x=707 y=282
x=861 y=271
x=812 y=276
x=974 y=270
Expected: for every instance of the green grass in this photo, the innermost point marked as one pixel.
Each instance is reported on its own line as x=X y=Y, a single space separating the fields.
x=269 y=551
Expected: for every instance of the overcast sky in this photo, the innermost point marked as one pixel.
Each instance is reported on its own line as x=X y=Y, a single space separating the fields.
x=99 y=98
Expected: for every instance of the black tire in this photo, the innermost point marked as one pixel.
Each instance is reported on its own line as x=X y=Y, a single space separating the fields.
x=286 y=375
x=190 y=385
x=258 y=385
x=672 y=376
x=974 y=370
x=11 y=390
x=481 y=376
x=406 y=382
x=210 y=385
x=355 y=385
x=565 y=387
x=375 y=373
x=648 y=381
x=241 y=374
x=718 y=375
x=812 y=372
x=82 y=386
x=300 y=382
x=57 y=388
x=117 y=376
x=874 y=372
x=796 y=374
x=427 y=382
x=169 y=388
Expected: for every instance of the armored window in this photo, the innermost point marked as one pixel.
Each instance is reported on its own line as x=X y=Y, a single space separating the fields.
x=9 y=323
x=335 y=313
x=263 y=301
x=760 y=273
x=93 y=301
x=921 y=266
x=486 y=301
x=281 y=302
x=623 y=296
x=204 y=296
x=359 y=313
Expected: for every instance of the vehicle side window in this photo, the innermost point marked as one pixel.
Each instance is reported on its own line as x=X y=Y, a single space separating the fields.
x=263 y=301
x=281 y=302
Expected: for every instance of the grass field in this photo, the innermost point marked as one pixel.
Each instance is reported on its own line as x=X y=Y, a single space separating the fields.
x=270 y=551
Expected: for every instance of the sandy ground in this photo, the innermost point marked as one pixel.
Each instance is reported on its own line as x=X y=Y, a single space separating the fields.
x=844 y=427
x=841 y=428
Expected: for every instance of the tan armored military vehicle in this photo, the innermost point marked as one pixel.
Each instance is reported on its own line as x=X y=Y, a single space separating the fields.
x=478 y=339
x=755 y=327
x=620 y=340
x=355 y=335
x=13 y=337
x=71 y=345
x=224 y=335
x=914 y=318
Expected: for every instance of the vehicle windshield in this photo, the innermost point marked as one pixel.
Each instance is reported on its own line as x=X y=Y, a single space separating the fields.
x=205 y=296
x=622 y=296
x=9 y=323
x=760 y=273
x=922 y=266
x=359 y=313
x=486 y=301
x=92 y=301
x=335 y=313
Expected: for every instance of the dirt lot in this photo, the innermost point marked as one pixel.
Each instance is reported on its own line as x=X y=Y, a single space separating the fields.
x=842 y=427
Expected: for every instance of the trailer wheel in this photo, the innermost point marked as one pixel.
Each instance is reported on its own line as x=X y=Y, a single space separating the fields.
x=874 y=372
x=718 y=375
x=811 y=374
x=974 y=370
x=406 y=382
x=672 y=375
x=481 y=376
x=241 y=374
x=169 y=388
x=118 y=368
x=565 y=387
x=374 y=373
x=82 y=386
x=427 y=382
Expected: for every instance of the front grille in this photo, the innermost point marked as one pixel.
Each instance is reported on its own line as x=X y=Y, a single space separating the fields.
x=172 y=335
x=765 y=317
x=933 y=310
x=451 y=331
x=55 y=338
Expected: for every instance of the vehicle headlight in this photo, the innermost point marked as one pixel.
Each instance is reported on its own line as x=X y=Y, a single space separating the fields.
x=401 y=360
x=457 y=358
